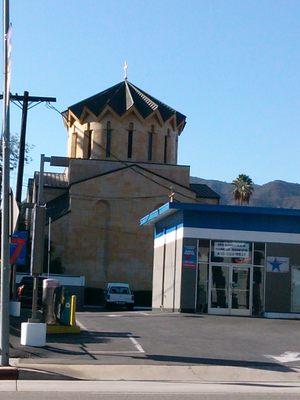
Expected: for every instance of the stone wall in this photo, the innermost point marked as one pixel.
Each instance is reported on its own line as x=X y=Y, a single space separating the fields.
x=102 y=237
x=78 y=138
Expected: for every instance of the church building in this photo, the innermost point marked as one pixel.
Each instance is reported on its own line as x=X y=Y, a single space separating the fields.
x=122 y=148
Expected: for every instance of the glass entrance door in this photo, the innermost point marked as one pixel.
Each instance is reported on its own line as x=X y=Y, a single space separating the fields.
x=219 y=283
x=229 y=290
x=240 y=290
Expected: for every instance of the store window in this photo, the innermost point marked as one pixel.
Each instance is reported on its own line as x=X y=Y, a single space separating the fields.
x=258 y=291
x=202 y=284
x=259 y=254
x=202 y=289
x=203 y=251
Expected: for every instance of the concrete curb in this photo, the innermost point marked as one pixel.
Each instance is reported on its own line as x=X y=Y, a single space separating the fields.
x=149 y=387
x=9 y=373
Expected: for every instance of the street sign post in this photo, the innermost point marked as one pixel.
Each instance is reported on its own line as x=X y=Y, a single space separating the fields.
x=5 y=267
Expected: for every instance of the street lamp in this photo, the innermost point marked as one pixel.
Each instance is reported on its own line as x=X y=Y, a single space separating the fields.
x=33 y=332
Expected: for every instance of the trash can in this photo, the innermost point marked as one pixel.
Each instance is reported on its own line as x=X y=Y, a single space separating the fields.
x=49 y=286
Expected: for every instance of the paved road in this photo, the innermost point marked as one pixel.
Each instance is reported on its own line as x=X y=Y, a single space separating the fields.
x=193 y=339
x=176 y=339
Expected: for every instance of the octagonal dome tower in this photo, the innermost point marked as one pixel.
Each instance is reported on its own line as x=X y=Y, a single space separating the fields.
x=124 y=123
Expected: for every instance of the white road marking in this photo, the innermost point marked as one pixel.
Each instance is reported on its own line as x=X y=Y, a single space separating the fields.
x=136 y=343
x=129 y=335
x=287 y=356
x=96 y=352
x=127 y=314
x=81 y=326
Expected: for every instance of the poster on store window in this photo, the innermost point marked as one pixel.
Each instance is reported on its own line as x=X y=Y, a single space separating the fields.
x=232 y=249
x=189 y=256
x=278 y=264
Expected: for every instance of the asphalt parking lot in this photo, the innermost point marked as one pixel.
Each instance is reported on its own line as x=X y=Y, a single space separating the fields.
x=145 y=337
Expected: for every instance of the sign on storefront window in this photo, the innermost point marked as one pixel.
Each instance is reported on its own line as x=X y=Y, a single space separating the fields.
x=278 y=264
x=232 y=249
x=189 y=256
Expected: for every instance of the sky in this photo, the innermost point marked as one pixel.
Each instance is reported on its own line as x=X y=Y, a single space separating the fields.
x=232 y=67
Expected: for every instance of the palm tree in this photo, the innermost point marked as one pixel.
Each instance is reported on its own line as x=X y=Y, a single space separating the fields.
x=242 y=189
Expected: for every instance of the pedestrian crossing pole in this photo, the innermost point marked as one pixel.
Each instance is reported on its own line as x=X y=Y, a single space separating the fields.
x=4 y=307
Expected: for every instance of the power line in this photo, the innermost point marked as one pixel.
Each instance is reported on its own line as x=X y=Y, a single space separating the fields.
x=25 y=102
x=78 y=196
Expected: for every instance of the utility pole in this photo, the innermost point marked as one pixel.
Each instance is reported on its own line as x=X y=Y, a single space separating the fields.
x=26 y=102
x=4 y=332
x=22 y=148
x=49 y=245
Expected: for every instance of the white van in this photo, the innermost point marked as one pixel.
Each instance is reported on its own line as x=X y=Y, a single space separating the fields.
x=118 y=294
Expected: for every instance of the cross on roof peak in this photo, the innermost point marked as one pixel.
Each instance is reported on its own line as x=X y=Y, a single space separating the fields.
x=125 y=70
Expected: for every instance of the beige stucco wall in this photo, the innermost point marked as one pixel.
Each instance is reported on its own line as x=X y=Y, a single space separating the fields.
x=157 y=277
x=167 y=269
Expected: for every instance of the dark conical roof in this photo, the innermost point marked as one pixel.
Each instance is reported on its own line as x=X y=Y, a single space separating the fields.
x=121 y=97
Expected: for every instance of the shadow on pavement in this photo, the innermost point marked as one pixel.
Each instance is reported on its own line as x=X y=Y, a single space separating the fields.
x=87 y=337
x=75 y=344
x=265 y=385
x=218 y=362
x=33 y=374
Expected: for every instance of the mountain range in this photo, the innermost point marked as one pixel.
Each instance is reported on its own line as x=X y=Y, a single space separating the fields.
x=279 y=194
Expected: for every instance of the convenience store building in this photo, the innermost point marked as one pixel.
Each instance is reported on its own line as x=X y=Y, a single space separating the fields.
x=232 y=260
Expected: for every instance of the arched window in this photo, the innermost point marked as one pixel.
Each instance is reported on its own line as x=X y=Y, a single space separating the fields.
x=75 y=139
x=166 y=147
x=108 y=138
x=150 y=142
x=89 y=143
x=130 y=138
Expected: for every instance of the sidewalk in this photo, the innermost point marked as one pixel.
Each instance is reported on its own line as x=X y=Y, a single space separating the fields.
x=132 y=379
x=128 y=388
x=189 y=373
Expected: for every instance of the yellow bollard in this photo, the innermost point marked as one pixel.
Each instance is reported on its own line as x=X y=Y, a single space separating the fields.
x=73 y=311
x=72 y=328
